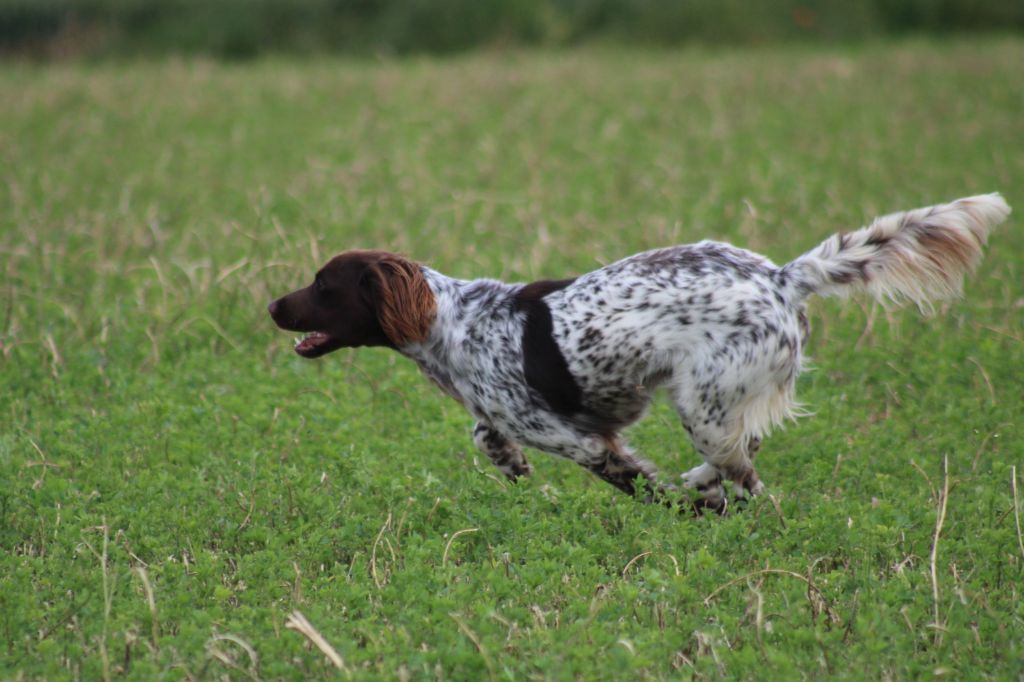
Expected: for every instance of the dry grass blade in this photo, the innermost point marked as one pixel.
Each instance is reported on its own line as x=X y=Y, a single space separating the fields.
x=229 y=270
x=778 y=510
x=373 y=553
x=758 y=610
x=55 y=359
x=228 y=660
x=742 y=578
x=984 y=442
x=448 y=546
x=817 y=598
x=297 y=621
x=642 y=555
x=154 y=356
x=939 y=521
x=988 y=382
x=465 y=629
x=151 y=602
x=632 y=561
x=931 y=486
x=185 y=324
x=297 y=587
x=1016 y=508
x=43 y=463
x=107 y=594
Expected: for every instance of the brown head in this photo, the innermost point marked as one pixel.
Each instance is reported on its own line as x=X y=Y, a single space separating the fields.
x=360 y=298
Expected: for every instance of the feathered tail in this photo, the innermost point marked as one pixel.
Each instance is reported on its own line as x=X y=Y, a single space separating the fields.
x=920 y=255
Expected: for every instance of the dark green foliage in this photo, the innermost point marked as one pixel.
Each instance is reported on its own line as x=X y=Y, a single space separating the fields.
x=243 y=28
x=148 y=212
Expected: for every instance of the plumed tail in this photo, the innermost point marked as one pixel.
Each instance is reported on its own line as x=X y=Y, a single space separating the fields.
x=920 y=255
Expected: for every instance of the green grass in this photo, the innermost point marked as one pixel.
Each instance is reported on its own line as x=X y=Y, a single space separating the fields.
x=159 y=437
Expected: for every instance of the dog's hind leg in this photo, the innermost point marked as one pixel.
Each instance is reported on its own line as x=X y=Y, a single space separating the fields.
x=726 y=457
x=721 y=436
x=727 y=407
x=503 y=452
x=746 y=479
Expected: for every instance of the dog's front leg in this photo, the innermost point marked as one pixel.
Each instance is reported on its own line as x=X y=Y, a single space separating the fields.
x=619 y=466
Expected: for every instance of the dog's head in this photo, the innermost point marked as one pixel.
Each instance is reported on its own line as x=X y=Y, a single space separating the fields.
x=360 y=298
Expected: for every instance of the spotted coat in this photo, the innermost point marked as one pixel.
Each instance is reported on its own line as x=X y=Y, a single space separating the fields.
x=563 y=366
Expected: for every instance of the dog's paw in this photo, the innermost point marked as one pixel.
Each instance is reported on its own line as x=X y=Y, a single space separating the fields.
x=715 y=505
x=701 y=478
x=707 y=482
x=742 y=492
x=517 y=470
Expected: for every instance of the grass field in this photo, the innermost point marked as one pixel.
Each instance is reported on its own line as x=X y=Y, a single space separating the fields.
x=174 y=481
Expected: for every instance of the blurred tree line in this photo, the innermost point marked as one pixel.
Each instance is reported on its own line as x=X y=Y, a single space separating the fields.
x=243 y=28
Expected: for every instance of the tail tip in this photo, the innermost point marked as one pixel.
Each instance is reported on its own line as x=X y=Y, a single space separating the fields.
x=992 y=207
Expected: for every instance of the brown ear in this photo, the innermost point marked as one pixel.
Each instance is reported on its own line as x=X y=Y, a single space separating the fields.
x=405 y=304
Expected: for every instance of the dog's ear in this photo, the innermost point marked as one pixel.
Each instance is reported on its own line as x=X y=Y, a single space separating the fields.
x=404 y=302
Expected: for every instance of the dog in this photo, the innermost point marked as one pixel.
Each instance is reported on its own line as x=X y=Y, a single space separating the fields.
x=563 y=366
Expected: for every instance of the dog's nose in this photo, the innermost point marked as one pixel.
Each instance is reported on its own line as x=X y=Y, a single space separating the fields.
x=273 y=306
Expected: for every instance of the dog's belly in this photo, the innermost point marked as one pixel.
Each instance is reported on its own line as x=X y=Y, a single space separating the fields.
x=610 y=406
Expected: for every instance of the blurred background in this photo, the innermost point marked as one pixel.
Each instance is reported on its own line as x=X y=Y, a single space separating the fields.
x=246 y=28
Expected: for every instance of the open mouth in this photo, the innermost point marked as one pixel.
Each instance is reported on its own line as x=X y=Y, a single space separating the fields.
x=314 y=345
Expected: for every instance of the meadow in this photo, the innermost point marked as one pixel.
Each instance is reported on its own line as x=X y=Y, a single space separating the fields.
x=175 y=481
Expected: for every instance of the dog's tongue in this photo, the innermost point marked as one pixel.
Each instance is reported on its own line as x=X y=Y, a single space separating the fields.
x=310 y=342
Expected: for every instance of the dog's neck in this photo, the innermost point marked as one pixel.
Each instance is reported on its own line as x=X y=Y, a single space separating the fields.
x=469 y=313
